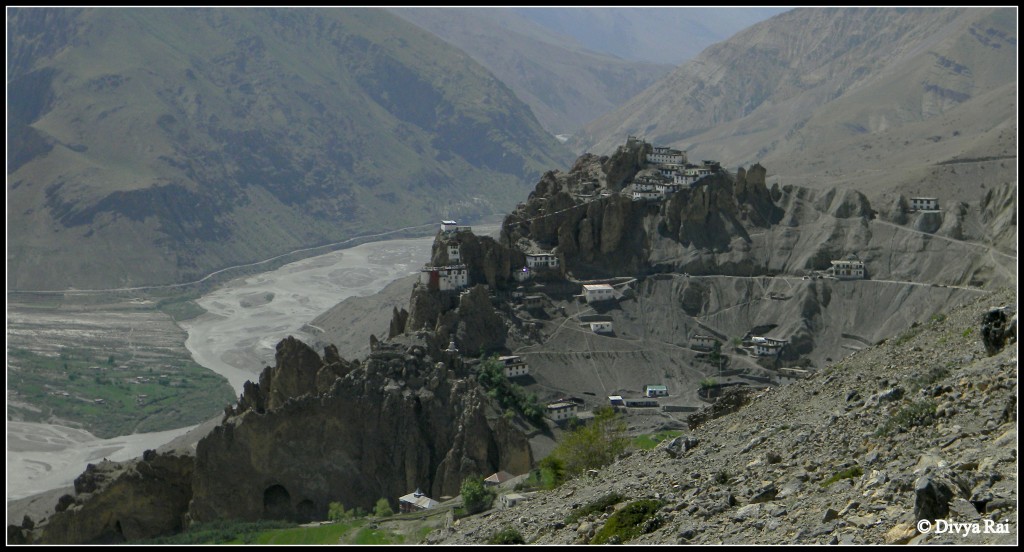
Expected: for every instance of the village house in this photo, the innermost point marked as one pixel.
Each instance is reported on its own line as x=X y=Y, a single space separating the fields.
x=666 y=156
x=703 y=342
x=655 y=391
x=521 y=274
x=541 y=261
x=511 y=499
x=924 y=204
x=415 y=501
x=598 y=292
x=454 y=253
x=561 y=411
x=497 y=478
x=445 y=278
x=766 y=346
x=453 y=226
x=603 y=327
x=616 y=400
x=533 y=301
x=850 y=268
x=514 y=366
x=641 y=403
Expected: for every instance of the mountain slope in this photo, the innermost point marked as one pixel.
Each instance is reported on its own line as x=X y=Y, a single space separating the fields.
x=662 y=35
x=879 y=97
x=155 y=146
x=564 y=84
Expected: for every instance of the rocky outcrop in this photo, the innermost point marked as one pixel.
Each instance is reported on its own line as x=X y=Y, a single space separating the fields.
x=315 y=430
x=116 y=502
x=396 y=422
x=999 y=329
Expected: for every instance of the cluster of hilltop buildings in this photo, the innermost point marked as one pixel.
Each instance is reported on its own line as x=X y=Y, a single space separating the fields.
x=673 y=171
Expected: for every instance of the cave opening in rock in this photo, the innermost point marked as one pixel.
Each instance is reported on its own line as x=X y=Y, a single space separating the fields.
x=277 y=503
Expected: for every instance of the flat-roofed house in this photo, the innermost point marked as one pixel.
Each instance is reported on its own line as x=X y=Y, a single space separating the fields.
x=598 y=292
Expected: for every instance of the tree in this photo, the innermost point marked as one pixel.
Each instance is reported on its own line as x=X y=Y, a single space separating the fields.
x=383 y=508
x=593 y=445
x=476 y=497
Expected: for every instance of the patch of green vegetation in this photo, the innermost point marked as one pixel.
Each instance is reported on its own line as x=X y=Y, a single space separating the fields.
x=336 y=512
x=549 y=474
x=377 y=536
x=630 y=522
x=590 y=446
x=596 y=507
x=968 y=332
x=708 y=382
x=221 y=532
x=119 y=397
x=509 y=395
x=849 y=473
x=180 y=308
x=331 y=533
x=937 y=319
x=476 y=497
x=651 y=440
x=507 y=536
x=920 y=413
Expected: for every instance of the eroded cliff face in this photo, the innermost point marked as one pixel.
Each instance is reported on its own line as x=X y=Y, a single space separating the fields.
x=116 y=502
x=396 y=422
x=315 y=430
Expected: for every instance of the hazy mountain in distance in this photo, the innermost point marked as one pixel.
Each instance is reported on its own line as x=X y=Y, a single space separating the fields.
x=655 y=34
x=920 y=101
x=151 y=146
x=565 y=84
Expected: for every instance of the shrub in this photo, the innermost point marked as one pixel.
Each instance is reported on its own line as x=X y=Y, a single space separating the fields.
x=632 y=520
x=476 y=497
x=595 y=507
x=919 y=413
x=849 y=473
x=507 y=536
x=383 y=508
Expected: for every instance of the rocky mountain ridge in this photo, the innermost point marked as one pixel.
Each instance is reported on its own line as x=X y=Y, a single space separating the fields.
x=155 y=146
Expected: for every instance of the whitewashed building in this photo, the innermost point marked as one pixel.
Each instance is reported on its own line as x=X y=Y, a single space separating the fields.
x=453 y=226
x=703 y=342
x=766 y=346
x=454 y=253
x=514 y=366
x=561 y=411
x=522 y=274
x=848 y=269
x=924 y=204
x=655 y=391
x=666 y=156
x=598 y=292
x=604 y=327
x=445 y=278
x=541 y=261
